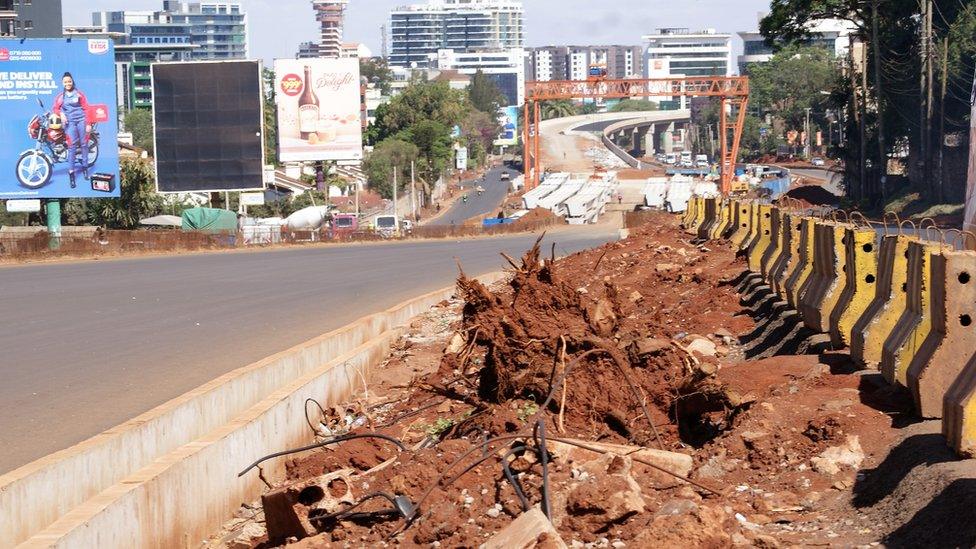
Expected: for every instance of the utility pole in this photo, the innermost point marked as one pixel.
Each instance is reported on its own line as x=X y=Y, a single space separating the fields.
x=941 y=170
x=395 y=212
x=413 y=193
x=53 y=212
x=882 y=150
x=806 y=134
x=923 y=85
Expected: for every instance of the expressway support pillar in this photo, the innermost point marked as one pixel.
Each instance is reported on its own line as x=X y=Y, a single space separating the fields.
x=526 y=148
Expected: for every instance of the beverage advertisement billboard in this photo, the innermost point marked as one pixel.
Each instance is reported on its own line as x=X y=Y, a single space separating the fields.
x=508 y=119
x=58 y=119
x=319 y=110
x=208 y=126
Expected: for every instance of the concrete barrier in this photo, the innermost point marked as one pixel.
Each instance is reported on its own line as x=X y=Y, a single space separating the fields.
x=724 y=220
x=689 y=214
x=952 y=342
x=776 y=243
x=791 y=254
x=710 y=219
x=743 y=229
x=889 y=303
x=65 y=498
x=914 y=326
x=696 y=213
x=861 y=277
x=959 y=412
x=827 y=282
x=762 y=238
x=799 y=276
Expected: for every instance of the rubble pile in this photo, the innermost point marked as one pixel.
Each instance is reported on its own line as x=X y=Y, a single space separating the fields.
x=599 y=400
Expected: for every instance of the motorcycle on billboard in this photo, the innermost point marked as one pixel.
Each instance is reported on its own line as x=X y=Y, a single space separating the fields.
x=35 y=166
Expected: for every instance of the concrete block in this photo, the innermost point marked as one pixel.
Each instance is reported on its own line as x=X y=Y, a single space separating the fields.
x=724 y=220
x=710 y=218
x=743 y=216
x=776 y=243
x=913 y=327
x=959 y=412
x=889 y=303
x=827 y=281
x=790 y=256
x=531 y=530
x=952 y=341
x=799 y=274
x=861 y=280
x=762 y=238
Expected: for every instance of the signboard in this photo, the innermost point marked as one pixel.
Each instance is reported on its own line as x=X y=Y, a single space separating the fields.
x=208 y=126
x=58 y=119
x=319 y=110
x=252 y=199
x=24 y=205
x=508 y=119
x=461 y=158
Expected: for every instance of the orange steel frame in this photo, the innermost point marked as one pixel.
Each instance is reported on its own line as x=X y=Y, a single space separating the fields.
x=733 y=92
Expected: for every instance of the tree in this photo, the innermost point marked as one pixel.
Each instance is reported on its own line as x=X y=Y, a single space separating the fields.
x=634 y=105
x=480 y=128
x=379 y=165
x=484 y=94
x=422 y=101
x=433 y=139
x=560 y=108
x=376 y=71
x=270 y=118
x=138 y=200
x=139 y=123
x=794 y=80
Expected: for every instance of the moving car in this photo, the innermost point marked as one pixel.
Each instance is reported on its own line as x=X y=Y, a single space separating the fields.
x=506 y=176
x=817 y=161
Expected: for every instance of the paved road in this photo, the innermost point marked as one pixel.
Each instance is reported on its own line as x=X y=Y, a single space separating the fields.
x=477 y=205
x=86 y=346
x=833 y=181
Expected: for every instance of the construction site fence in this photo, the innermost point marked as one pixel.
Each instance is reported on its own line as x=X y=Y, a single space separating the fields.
x=124 y=242
x=900 y=295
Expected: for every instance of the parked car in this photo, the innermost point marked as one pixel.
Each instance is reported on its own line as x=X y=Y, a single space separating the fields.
x=817 y=161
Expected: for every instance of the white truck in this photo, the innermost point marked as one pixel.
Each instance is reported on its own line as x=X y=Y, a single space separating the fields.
x=701 y=161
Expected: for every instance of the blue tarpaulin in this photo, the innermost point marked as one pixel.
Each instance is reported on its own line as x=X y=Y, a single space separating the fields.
x=777 y=187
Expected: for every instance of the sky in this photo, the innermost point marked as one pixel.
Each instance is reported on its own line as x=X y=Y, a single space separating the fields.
x=278 y=26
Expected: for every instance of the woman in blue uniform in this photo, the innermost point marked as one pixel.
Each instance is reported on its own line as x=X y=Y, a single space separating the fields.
x=72 y=105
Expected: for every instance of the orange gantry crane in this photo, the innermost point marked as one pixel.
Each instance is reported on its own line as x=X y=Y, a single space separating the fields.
x=732 y=90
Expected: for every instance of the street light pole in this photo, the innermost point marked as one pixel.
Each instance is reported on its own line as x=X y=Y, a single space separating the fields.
x=806 y=148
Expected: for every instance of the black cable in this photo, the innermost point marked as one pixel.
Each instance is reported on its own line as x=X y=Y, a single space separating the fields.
x=309 y=420
x=539 y=434
x=347 y=512
x=329 y=442
x=511 y=477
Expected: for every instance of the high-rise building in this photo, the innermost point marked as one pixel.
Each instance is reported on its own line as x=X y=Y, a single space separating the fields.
x=30 y=18
x=831 y=34
x=679 y=51
x=330 y=15
x=420 y=30
x=506 y=68
x=573 y=62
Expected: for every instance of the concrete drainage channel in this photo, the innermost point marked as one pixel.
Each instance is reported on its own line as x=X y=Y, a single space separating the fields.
x=168 y=478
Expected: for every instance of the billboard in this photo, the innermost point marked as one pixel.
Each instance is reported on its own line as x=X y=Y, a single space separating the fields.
x=58 y=119
x=508 y=119
x=208 y=126
x=319 y=109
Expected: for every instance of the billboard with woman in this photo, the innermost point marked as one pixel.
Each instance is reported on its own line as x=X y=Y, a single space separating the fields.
x=58 y=119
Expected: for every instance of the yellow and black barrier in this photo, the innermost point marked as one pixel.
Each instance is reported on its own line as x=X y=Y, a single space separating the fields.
x=826 y=283
x=799 y=276
x=861 y=276
x=744 y=219
x=762 y=237
x=889 y=304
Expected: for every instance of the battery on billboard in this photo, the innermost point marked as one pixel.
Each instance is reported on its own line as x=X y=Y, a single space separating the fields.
x=58 y=119
x=208 y=126
x=319 y=109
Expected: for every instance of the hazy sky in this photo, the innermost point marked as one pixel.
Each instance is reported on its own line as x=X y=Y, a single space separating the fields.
x=278 y=26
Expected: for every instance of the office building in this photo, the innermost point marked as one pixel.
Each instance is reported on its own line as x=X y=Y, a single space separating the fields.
x=681 y=52
x=330 y=14
x=133 y=59
x=30 y=18
x=573 y=62
x=505 y=67
x=421 y=30
x=832 y=34
x=218 y=29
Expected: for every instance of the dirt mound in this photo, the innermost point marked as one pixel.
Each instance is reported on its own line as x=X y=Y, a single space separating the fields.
x=540 y=216
x=814 y=195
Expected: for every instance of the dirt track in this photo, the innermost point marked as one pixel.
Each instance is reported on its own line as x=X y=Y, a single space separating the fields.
x=651 y=340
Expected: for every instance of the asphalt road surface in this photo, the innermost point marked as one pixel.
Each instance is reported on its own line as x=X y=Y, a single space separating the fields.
x=477 y=205
x=86 y=346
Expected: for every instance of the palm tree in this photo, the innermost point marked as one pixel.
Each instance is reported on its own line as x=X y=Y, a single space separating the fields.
x=558 y=109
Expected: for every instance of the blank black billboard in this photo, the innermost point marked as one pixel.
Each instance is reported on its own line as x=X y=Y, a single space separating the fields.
x=208 y=126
